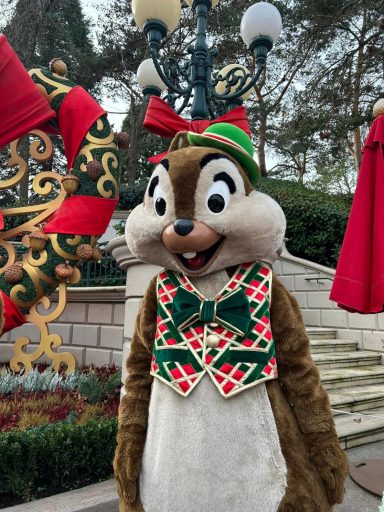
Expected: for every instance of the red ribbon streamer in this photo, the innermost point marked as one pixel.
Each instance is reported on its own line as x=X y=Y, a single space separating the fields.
x=82 y=215
x=22 y=107
x=77 y=114
x=359 y=279
x=162 y=120
x=13 y=317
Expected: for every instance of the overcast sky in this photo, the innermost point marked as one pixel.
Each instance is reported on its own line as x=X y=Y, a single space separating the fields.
x=90 y=8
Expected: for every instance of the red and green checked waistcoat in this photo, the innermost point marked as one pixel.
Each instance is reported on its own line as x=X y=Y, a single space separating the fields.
x=181 y=357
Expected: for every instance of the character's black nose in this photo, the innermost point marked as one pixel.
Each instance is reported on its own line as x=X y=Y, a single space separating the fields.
x=183 y=226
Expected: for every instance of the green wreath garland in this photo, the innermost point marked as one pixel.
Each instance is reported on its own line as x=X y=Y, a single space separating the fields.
x=95 y=175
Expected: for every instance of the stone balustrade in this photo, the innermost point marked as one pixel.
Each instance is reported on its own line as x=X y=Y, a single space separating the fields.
x=311 y=283
x=91 y=327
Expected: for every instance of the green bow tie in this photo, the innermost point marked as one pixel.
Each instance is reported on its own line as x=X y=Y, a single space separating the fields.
x=232 y=311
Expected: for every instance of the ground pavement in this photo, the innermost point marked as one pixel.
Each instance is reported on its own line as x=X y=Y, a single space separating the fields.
x=357 y=499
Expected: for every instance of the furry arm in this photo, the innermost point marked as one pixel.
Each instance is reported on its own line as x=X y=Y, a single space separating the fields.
x=300 y=381
x=1 y=316
x=133 y=411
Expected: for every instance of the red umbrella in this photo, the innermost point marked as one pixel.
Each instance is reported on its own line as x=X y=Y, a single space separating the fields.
x=359 y=280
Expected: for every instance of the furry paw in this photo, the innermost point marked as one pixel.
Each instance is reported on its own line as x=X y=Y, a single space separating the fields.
x=127 y=489
x=126 y=477
x=332 y=466
x=296 y=503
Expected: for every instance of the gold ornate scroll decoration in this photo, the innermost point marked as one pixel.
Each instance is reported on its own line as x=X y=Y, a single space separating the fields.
x=41 y=185
x=48 y=341
x=92 y=143
x=40 y=150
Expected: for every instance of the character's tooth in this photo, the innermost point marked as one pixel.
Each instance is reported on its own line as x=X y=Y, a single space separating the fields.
x=189 y=255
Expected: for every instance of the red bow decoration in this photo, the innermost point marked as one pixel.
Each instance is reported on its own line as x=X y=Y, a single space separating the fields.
x=162 y=120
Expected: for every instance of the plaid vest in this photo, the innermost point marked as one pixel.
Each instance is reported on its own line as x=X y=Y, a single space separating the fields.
x=181 y=357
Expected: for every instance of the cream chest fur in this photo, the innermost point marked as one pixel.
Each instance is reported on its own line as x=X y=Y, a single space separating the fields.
x=226 y=453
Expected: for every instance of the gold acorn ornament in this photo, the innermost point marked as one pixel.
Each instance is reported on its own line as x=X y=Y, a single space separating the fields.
x=64 y=271
x=70 y=183
x=37 y=240
x=59 y=67
x=14 y=273
x=378 y=108
x=94 y=170
x=85 y=252
x=97 y=254
x=122 y=140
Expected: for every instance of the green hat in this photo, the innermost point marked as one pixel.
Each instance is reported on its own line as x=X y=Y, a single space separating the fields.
x=232 y=140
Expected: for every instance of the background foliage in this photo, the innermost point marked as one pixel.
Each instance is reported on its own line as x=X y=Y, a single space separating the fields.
x=57 y=432
x=316 y=221
x=55 y=458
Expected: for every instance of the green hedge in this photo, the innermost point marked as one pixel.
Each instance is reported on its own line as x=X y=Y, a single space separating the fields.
x=316 y=221
x=55 y=458
x=132 y=196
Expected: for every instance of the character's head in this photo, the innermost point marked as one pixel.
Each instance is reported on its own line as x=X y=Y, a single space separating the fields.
x=201 y=212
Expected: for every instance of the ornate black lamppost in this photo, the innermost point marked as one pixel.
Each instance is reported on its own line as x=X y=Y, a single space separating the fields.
x=260 y=27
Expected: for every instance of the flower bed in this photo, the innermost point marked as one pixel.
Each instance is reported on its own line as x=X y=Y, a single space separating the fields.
x=56 y=433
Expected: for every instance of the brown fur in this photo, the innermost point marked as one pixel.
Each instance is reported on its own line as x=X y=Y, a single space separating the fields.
x=184 y=160
x=133 y=411
x=317 y=466
x=184 y=186
x=2 y=316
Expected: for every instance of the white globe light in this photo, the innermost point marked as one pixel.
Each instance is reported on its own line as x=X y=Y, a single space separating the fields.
x=147 y=75
x=261 y=19
x=221 y=86
x=190 y=2
x=167 y=11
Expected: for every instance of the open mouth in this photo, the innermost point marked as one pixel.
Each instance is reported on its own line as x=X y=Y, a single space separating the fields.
x=195 y=261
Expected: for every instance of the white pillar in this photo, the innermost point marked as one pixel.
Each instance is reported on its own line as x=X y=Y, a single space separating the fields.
x=139 y=275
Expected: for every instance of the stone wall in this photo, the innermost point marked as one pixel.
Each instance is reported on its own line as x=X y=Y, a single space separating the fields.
x=91 y=327
x=311 y=283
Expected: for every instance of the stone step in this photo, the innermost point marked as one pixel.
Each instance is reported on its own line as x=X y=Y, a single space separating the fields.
x=100 y=497
x=360 y=430
x=337 y=378
x=346 y=359
x=356 y=399
x=318 y=333
x=330 y=345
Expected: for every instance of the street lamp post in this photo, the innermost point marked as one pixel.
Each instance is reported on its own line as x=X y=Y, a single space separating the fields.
x=260 y=27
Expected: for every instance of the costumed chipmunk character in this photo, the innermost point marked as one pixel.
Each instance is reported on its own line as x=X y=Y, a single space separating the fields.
x=223 y=407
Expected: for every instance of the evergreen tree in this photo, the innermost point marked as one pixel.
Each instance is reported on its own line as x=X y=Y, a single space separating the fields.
x=41 y=30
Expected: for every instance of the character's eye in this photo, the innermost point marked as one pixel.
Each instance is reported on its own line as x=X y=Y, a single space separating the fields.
x=159 y=201
x=218 y=197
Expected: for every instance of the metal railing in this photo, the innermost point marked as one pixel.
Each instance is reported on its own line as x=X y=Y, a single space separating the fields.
x=104 y=273
x=94 y=273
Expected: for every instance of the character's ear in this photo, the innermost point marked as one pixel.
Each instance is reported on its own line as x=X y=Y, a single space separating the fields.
x=179 y=141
